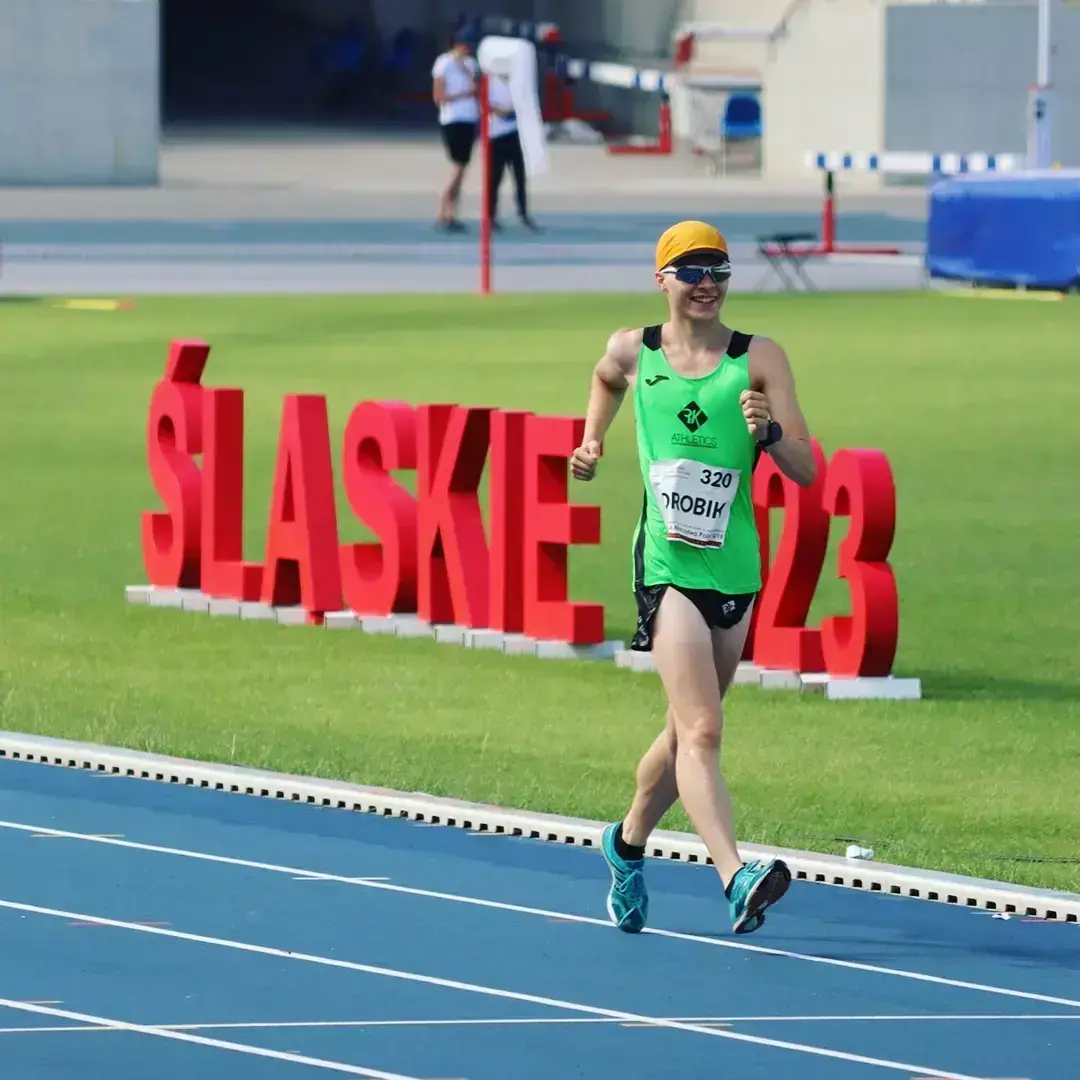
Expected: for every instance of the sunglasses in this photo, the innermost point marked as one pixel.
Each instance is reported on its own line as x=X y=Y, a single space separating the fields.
x=694 y=275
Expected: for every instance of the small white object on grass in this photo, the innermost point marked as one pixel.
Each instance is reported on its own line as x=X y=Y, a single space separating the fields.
x=856 y=852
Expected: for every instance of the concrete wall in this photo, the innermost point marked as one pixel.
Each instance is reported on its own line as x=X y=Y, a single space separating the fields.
x=895 y=75
x=736 y=53
x=957 y=78
x=79 y=92
x=821 y=71
x=824 y=88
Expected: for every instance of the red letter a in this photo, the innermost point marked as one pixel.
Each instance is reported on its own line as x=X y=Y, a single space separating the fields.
x=301 y=541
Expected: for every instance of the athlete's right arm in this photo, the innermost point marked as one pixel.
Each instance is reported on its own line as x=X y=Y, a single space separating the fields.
x=610 y=380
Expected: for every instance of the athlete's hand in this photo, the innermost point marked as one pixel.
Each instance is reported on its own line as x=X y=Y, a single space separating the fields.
x=583 y=460
x=755 y=407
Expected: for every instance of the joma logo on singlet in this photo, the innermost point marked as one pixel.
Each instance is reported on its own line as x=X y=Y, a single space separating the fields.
x=693 y=504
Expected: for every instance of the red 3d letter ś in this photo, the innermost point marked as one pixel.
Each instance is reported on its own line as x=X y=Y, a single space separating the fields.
x=224 y=572
x=171 y=538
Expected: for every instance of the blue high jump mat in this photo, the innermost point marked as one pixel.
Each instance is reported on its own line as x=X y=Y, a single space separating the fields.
x=1018 y=229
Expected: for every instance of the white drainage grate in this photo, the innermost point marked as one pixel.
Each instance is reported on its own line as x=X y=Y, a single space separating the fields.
x=453 y=813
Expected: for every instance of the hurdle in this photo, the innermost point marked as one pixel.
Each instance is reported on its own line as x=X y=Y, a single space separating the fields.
x=606 y=73
x=894 y=163
x=651 y=81
x=560 y=71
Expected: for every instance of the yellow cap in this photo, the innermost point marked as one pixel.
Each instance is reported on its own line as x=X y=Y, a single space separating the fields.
x=687 y=236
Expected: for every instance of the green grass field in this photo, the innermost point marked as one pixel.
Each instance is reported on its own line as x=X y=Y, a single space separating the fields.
x=974 y=402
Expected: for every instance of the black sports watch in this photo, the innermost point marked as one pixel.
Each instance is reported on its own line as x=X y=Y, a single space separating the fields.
x=776 y=433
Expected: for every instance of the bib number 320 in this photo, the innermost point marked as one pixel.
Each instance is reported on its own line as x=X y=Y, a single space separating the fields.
x=695 y=500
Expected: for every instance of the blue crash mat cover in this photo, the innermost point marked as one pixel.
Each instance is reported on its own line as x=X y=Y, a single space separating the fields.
x=1014 y=229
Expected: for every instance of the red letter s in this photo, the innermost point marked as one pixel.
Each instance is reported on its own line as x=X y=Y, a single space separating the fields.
x=171 y=539
x=380 y=578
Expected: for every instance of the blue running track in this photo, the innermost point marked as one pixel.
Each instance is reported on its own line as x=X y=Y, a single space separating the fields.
x=162 y=931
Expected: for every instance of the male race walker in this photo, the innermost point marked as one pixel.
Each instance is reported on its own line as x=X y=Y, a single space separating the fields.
x=708 y=400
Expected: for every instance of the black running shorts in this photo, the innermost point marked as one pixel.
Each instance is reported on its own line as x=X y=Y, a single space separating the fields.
x=721 y=611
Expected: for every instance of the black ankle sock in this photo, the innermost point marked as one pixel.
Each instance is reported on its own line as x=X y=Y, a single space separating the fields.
x=625 y=850
x=727 y=890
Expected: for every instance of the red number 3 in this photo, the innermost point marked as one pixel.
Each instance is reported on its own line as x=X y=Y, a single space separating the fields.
x=856 y=484
x=860 y=485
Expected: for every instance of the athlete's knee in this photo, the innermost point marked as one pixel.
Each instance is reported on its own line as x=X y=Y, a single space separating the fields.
x=671 y=726
x=701 y=730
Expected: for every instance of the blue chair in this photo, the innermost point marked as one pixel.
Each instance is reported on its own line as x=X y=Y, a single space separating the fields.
x=742 y=118
x=741 y=122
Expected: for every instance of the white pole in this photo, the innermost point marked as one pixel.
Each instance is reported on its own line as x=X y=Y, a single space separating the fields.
x=1044 y=43
x=1040 y=143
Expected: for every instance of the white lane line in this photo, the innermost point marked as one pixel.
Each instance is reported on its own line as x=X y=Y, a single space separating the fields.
x=259 y=1025
x=487 y=991
x=107 y=1024
x=326 y=877
x=720 y=943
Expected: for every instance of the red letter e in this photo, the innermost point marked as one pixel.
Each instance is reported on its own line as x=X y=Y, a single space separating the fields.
x=551 y=524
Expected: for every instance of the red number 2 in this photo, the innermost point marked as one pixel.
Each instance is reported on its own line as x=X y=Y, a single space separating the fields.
x=781 y=639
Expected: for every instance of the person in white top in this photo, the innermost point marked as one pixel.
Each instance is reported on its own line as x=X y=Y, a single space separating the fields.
x=506 y=150
x=455 y=92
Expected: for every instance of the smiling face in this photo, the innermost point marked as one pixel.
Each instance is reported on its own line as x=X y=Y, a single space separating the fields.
x=696 y=284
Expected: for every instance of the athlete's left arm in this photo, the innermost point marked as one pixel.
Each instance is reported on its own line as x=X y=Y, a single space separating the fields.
x=771 y=376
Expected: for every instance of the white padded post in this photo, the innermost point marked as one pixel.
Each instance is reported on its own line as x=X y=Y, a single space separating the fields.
x=515 y=60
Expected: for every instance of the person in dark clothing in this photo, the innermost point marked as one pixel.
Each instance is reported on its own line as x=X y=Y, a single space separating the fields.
x=506 y=151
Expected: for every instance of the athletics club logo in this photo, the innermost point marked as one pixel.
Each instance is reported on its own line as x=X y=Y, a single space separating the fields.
x=692 y=416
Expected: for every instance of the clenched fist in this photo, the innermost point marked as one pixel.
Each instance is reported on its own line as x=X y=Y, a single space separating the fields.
x=584 y=459
x=755 y=407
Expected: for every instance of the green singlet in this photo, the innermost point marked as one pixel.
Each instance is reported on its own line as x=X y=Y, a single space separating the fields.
x=697 y=528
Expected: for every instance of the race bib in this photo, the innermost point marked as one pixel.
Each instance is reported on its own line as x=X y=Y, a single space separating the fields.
x=694 y=499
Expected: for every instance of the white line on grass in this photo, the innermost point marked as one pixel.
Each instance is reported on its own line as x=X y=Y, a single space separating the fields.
x=274 y=1025
x=106 y=1024
x=850 y=965
x=475 y=988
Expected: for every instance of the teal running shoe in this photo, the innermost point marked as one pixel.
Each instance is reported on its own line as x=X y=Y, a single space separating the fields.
x=628 y=899
x=757 y=886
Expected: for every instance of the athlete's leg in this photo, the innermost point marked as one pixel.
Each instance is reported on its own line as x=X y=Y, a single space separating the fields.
x=623 y=843
x=759 y=883
x=657 y=789
x=697 y=667
x=683 y=653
